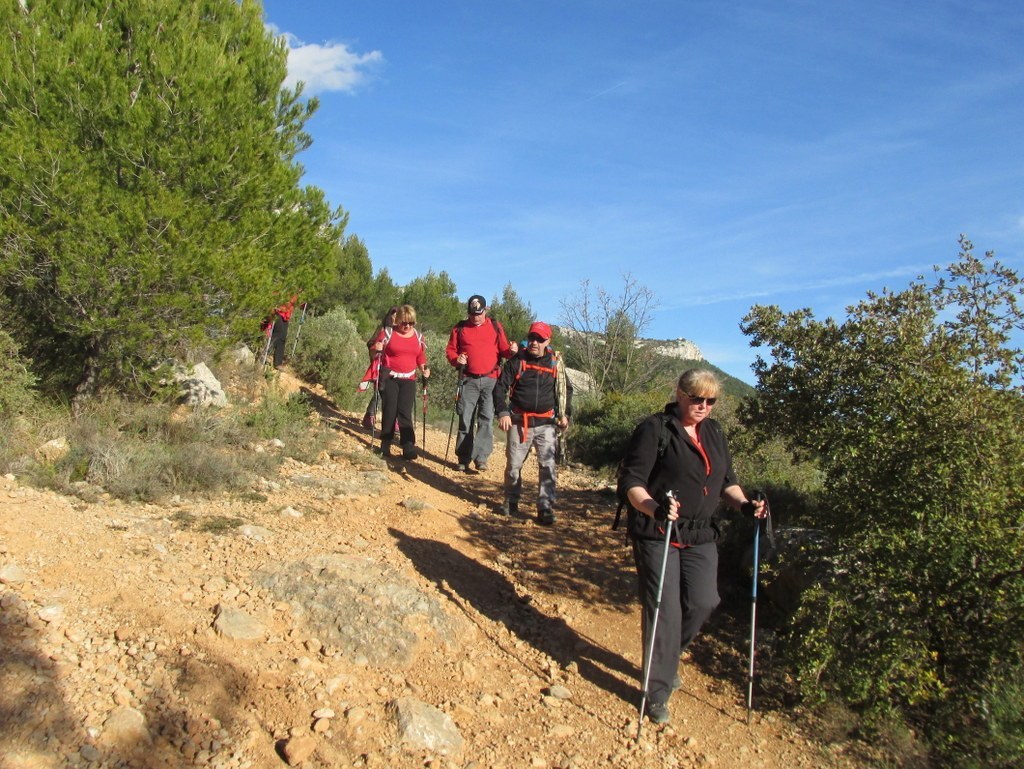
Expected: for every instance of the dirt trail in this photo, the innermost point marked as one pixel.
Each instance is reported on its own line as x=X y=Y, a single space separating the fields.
x=110 y=658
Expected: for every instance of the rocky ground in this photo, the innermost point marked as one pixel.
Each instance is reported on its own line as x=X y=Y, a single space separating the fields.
x=351 y=613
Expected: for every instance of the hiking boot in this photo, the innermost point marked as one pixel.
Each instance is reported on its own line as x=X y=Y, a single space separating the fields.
x=509 y=507
x=409 y=451
x=545 y=517
x=385 y=449
x=481 y=466
x=657 y=712
x=462 y=467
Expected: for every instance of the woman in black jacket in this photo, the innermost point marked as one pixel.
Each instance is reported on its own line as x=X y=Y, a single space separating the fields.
x=683 y=451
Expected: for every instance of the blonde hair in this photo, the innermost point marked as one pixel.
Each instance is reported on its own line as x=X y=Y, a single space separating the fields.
x=405 y=313
x=699 y=382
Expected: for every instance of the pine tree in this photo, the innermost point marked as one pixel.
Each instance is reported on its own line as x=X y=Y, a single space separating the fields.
x=150 y=195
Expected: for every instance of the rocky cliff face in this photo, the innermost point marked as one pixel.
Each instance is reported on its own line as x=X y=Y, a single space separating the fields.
x=675 y=348
x=680 y=348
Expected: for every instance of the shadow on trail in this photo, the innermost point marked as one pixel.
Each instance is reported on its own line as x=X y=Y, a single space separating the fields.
x=580 y=556
x=465 y=581
x=39 y=727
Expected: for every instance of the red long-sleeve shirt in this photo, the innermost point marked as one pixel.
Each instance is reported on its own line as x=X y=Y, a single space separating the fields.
x=483 y=345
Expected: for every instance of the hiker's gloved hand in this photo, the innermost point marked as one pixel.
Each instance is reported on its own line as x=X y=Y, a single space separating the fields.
x=667 y=511
x=755 y=507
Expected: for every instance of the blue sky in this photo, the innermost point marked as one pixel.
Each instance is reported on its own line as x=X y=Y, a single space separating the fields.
x=725 y=154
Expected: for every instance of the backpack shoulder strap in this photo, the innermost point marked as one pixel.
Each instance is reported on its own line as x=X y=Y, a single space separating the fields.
x=664 y=437
x=499 y=331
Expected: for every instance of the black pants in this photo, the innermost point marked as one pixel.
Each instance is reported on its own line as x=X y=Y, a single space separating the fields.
x=689 y=596
x=278 y=337
x=397 y=399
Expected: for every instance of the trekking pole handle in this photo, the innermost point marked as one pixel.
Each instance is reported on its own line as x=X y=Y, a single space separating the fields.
x=662 y=512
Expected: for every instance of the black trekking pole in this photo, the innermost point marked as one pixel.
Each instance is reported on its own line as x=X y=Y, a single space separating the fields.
x=757 y=495
x=424 y=411
x=455 y=409
x=302 y=319
x=649 y=651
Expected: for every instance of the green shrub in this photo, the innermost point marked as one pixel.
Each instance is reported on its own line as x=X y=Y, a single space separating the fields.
x=152 y=451
x=601 y=428
x=16 y=381
x=334 y=354
x=994 y=736
x=288 y=419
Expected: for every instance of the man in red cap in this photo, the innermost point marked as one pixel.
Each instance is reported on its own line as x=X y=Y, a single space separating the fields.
x=476 y=347
x=534 y=395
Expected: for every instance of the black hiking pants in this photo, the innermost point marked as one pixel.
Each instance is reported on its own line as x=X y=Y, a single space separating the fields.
x=687 y=600
x=398 y=396
x=278 y=338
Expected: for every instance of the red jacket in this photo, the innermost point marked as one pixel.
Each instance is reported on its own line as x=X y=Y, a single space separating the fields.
x=286 y=309
x=483 y=345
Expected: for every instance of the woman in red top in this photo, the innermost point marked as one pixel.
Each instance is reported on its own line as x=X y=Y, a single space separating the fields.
x=404 y=355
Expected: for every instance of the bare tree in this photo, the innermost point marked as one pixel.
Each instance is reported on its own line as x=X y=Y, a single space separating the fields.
x=603 y=334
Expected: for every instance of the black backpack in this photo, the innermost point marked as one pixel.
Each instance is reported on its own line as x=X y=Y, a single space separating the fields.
x=664 y=436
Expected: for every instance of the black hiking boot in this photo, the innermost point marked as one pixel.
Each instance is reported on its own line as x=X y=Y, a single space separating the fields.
x=545 y=517
x=658 y=712
x=409 y=451
x=385 y=449
x=509 y=507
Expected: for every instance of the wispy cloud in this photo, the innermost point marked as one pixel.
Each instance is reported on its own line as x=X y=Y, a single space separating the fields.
x=327 y=66
x=906 y=271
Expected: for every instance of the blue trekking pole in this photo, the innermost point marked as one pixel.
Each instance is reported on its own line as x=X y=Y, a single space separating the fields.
x=757 y=495
x=649 y=652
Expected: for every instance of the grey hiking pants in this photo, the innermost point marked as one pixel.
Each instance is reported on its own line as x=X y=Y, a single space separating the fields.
x=544 y=439
x=687 y=600
x=476 y=441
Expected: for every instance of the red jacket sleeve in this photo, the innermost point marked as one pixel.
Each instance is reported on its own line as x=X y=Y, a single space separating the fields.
x=451 y=352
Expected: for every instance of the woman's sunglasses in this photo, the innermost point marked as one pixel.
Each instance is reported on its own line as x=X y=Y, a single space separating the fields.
x=697 y=401
x=406 y=323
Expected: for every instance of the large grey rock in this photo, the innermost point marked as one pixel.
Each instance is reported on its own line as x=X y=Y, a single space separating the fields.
x=242 y=355
x=236 y=624
x=199 y=387
x=11 y=574
x=126 y=727
x=53 y=451
x=369 y=611
x=424 y=727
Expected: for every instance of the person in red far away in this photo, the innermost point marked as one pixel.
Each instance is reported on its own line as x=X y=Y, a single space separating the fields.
x=279 y=332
